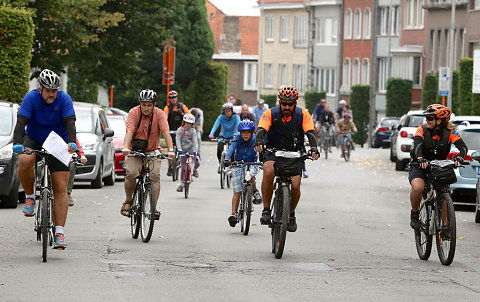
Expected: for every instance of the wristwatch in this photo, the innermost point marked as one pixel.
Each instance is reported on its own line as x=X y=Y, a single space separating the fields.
x=170 y=150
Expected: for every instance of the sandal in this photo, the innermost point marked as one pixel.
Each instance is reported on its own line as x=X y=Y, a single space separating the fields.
x=124 y=210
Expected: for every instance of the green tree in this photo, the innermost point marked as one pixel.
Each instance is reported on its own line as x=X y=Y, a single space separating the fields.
x=430 y=88
x=360 y=106
x=312 y=98
x=465 y=86
x=399 y=96
x=270 y=99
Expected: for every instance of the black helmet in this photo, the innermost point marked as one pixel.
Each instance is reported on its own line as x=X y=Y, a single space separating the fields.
x=147 y=95
x=49 y=79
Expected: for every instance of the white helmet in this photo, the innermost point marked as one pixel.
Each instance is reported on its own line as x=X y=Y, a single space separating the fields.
x=189 y=118
x=342 y=102
x=49 y=79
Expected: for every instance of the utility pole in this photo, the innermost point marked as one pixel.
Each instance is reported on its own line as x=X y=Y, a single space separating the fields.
x=451 y=63
x=374 y=78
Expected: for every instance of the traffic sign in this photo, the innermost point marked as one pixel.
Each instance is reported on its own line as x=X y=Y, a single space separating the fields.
x=169 y=65
x=443 y=81
x=232 y=99
x=476 y=72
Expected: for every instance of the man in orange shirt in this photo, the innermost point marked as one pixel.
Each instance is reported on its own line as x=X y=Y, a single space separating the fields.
x=145 y=123
x=286 y=125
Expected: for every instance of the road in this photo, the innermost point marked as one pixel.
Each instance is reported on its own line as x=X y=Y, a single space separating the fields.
x=353 y=243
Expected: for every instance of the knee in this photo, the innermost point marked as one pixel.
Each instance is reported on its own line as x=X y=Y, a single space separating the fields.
x=131 y=175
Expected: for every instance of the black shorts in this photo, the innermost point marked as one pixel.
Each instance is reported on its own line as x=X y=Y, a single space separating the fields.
x=416 y=172
x=55 y=165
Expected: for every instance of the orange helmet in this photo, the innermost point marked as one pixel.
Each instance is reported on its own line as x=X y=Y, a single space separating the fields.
x=439 y=111
x=288 y=93
x=172 y=94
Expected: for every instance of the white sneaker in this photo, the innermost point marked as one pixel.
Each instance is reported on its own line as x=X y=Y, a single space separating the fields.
x=180 y=188
x=70 y=201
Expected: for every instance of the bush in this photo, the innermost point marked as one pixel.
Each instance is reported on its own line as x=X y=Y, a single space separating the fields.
x=475 y=104
x=16 y=41
x=360 y=106
x=430 y=88
x=270 y=99
x=312 y=98
x=80 y=89
x=399 y=96
x=465 y=86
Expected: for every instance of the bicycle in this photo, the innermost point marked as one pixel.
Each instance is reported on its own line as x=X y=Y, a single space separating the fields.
x=287 y=164
x=437 y=215
x=245 y=208
x=348 y=145
x=143 y=208
x=225 y=172
x=187 y=173
x=325 y=138
x=174 y=163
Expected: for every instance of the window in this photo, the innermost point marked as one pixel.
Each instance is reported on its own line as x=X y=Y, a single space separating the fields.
x=283 y=29
x=348 y=24
x=346 y=73
x=356 y=72
x=282 y=75
x=268 y=75
x=300 y=39
x=407 y=67
x=250 y=76
x=366 y=72
x=383 y=21
x=382 y=74
x=394 y=21
x=324 y=80
x=414 y=15
x=367 y=23
x=326 y=31
x=357 y=25
x=299 y=77
x=269 y=29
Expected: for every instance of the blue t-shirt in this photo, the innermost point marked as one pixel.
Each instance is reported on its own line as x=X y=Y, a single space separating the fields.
x=44 y=118
x=229 y=126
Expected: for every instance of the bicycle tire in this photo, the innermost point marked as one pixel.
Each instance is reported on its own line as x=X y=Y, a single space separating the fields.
x=247 y=211
x=148 y=213
x=445 y=246
x=135 y=214
x=177 y=169
x=283 y=223
x=423 y=238
x=229 y=178
x=222 y=171
x=186 y=180
x=44 y=224
x=173 y=164
x=347 y=151
x=325 y=148
x=241 y=211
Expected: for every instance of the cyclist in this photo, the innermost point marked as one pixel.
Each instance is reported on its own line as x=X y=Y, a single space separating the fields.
x=327 y=123
x=145 y=123
x=174 y=112
x=345 y=126
x=241 y=149
x=71 y=177
x=186 y=137
x=44 y=110
x=318 y=110
x=259 y=110
x=339 y=113
x=285 y=126
x=198 y=114
x=432 y=140
x=245 y=114
x=229 y=127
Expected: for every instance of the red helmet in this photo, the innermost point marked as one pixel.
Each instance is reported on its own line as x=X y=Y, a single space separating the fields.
x=347 y=116
x=288 y=93
x=172 y=94
x=439 y=111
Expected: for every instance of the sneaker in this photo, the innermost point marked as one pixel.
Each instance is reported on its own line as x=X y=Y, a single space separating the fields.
x=59 y=242
x=219 y=170
x=195 y=173
x=415 y=220
x=445 y=235
x=342 y=155
x=169 y=171
x=232 y=220
x=180 y=188
x=257 y=197
x=305 y=175
x=292 y=224
x=266 y=217
x=29 y=208
x=70 y=201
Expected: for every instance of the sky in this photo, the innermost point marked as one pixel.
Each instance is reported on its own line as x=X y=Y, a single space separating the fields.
x=237 y=7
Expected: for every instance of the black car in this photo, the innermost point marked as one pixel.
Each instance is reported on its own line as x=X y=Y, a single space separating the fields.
x=9 y=182
x=382 y=135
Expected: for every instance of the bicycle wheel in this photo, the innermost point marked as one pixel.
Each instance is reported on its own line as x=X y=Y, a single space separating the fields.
x=326 y=145
x=148 y=213
x=186 y=180
x=229 y=177
x=177 y=169
x=446 y=229
x=44 y=221
x=135 y=214
x=347 y=151
x=423 y=238
x=222 y=171
x=247 y=211
x=241 y=210
x=173 y=164
x=282 y=214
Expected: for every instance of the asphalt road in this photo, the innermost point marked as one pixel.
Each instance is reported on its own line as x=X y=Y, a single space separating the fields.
x=353 y=243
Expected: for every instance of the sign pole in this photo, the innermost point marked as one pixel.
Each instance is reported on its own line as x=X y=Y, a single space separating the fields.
x=443 y=100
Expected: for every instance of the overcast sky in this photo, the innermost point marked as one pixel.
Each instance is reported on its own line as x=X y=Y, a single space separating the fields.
x=237 y=7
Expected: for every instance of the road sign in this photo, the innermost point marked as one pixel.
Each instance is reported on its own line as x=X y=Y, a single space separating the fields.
x=232 y=99
x=476 y=72
x=169 y=65
x=443 y=81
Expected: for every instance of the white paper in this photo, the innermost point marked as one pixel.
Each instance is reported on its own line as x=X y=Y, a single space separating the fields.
x=56 y=146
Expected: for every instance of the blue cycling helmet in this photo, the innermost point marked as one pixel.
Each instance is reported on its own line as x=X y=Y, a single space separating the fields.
x=246 y=125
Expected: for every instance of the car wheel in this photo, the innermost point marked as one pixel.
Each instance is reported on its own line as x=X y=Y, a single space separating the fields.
x=97 y=182
x=399 y=165
x=11 y=200
x=477 y=208
x=392 y=157
x=110 y=179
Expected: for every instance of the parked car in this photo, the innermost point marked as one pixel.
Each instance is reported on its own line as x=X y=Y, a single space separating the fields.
x=402 y=138
x=476 y=156
x=467 y=177
x=118 y=123
x=9 y=182
x=95 y=136
x=382 y=135
x=463 y=121
x=113 y=110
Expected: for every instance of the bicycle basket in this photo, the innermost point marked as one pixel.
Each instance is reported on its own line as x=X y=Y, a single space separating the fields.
x=287 y=164
x=441 y=172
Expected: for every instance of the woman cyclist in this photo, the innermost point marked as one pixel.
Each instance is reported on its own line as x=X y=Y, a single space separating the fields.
x=229 y=123
x=432 y=140
x=186 y=139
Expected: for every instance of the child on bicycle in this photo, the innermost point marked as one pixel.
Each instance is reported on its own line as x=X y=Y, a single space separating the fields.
x=241 y=149
x=186 y=139
x=345 y=126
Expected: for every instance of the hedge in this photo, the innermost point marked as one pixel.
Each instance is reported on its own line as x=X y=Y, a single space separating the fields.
x=465 y=86
x=430 y=88
x=312 y=98
x=80 y=89
x=399 y=96
x=16 y=41
x=360 y=106
x=270 y=99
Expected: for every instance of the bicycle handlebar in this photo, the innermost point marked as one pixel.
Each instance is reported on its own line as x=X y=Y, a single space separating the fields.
x=218 y=139
x=303 y=155
x=417 y=164
x=143 y=155
x=245 y=163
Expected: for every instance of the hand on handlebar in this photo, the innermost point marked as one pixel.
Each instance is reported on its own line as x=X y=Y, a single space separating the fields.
x=422 y=162
x=314 y=153
x=258 y=147
x=126 y=151
x=210 y=136
x=83 y=159
x=458 y=161
x=227 y=162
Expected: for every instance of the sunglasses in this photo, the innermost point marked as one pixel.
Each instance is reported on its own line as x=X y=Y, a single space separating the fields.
x=172 y=97
x=291 y=104
x=430 y=118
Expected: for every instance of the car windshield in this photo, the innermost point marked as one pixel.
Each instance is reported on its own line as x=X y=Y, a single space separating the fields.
x=472 y=139
x=118 y=126
x=84 y=123
x=5 y=121
x=415 y=120
x=389 y=123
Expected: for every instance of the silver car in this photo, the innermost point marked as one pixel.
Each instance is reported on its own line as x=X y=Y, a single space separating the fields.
x=95 y=137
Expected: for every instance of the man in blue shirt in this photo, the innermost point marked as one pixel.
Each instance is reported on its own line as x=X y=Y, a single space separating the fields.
x=259 y=110
x=44 y=110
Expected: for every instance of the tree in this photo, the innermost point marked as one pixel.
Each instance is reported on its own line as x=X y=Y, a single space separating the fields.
x=399 y=96
x=312 y=98
x=465 y=85
x=360 y=104
x=430 y=87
